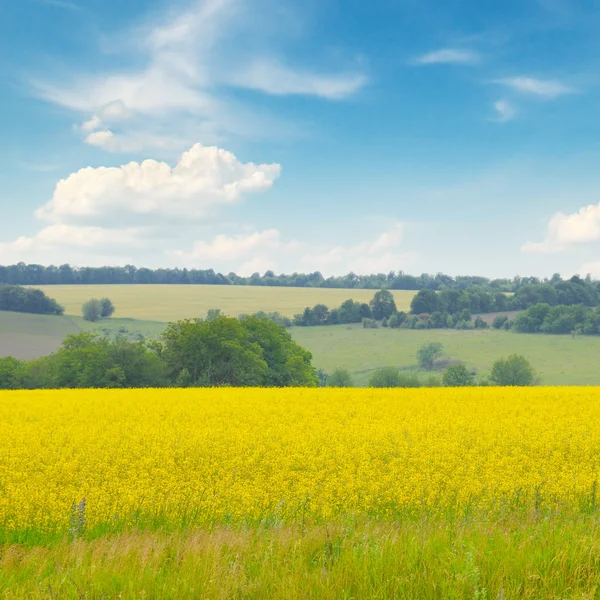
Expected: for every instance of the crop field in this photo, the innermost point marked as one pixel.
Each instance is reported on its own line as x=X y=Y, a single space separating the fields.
x=173 y=302
x=558 y=359
x=298 y=493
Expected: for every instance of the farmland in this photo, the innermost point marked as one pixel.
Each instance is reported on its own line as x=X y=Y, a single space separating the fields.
x=558 y=359
x=488 y=492
x=173 y=302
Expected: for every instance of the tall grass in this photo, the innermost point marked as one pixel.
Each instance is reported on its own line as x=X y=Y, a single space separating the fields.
x=533 y=556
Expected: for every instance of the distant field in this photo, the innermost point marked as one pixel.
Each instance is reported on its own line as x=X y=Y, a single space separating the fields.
x=559 y=359
x=29 y=336
x=172 y=302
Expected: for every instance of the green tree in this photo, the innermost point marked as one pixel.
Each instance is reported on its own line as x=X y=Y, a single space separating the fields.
x=427 y=354
x=499 y=321
x=340 y=378
x=92 y=310
x=217 y=352
x=107 y=308
x=424 y=302
x=288 y=363
x=10 y=369
x=457 y=376
x=89 y=361
x=515 y=370
x=383 y=305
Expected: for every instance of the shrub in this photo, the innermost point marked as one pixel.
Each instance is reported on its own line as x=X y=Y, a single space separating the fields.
x=457 y=376
x=369 y=324
x=480 y=323
x=108 y=308
x=340 y=378
x=92 y=310
x=499 y=321
x=427 y=354
x=390 y=377
x=514 y=370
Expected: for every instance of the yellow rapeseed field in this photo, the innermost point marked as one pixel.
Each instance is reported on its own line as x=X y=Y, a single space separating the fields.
x=179 y=457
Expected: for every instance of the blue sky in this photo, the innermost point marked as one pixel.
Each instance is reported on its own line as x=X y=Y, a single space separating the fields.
x=296 y=136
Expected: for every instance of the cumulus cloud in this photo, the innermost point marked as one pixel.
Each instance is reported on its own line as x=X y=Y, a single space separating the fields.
x=204 y=178
x=448 y=56
x=545 y=88
x=132 y=205
x=185 y=64
x=564 y=230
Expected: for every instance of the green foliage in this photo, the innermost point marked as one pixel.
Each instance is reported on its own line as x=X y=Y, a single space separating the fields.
x=340 y=378
x=391 y=377
x=382 y=305
x=560 y=319
x=427 y=354
x=92 y=310
x=457 y=376
x=108 y=308
x=499 y=321
x=370 y=324
x=213 y=313
x=227 y=351
x=480 y=323
x=512 y=371
x=10 y=369
x=19 y=299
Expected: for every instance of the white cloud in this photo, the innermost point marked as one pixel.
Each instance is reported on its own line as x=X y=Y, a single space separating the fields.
x=262 y=250
x=92 y=124
x=546 y=88
x=184 y=63
x=564 y=230
x=504 y=111
x=138 y=207
x=277 y=79
x=203 y=179
x=449 y=56
x=101 y=139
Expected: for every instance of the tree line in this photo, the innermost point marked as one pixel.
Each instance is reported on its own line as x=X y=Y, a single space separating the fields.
x=220 y=351
x=560 y=319
x=19 y=299
x=33 y=274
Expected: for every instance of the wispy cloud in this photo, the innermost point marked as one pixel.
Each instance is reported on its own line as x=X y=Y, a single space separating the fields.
x=504 y=111
x=190 y=61
x=274 y=78
x=546 y=88
x=449 y=56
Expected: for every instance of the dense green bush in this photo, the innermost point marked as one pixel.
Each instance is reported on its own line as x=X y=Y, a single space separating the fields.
x=515 y=370
x=391 y=377
x=19 y=299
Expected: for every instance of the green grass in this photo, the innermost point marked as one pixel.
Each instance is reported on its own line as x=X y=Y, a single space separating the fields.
x=173 y=302
x=28 y=336
x=558 y=359
x=531 y=557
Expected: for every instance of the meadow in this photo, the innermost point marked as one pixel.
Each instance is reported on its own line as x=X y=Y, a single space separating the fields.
x=558 y=359
x=173 y=302
x=298 y=493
